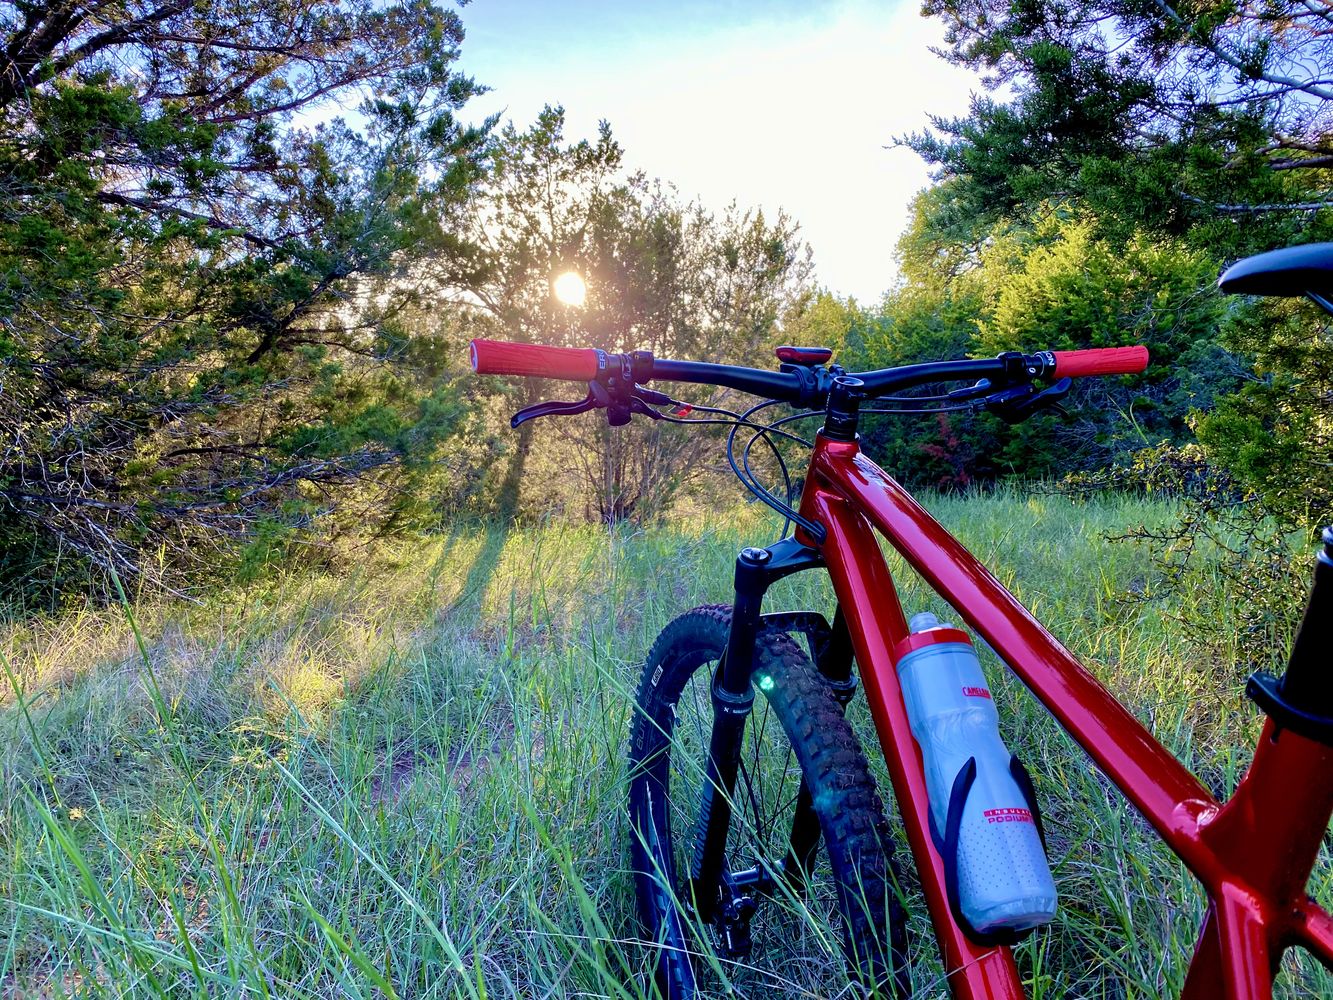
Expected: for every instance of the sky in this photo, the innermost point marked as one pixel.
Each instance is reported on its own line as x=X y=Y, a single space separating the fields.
x=771 y=104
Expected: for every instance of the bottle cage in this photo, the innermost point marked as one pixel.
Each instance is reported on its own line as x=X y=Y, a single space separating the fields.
x=947 y=844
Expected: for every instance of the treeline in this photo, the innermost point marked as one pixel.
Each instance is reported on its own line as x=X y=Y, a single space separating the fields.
x=242 y=249
x=1136 y=151
x=233 y=322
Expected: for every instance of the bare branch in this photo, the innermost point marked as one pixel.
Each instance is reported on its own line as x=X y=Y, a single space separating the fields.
x=212 y=221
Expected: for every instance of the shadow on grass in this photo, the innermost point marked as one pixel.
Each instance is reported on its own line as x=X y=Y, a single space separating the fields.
x=478 y=575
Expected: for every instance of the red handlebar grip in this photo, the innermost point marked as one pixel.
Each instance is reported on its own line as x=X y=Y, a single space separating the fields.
x=496 y=357
x=1101 y=361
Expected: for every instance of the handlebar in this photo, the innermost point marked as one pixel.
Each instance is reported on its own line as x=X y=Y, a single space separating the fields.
x=798 y=384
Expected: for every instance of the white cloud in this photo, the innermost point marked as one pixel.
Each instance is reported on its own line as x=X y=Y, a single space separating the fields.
x=792 y=112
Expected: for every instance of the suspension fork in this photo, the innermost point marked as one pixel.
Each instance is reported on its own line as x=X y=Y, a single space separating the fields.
x=733 y=698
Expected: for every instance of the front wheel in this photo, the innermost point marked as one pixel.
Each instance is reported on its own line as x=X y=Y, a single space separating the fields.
x=802 y=779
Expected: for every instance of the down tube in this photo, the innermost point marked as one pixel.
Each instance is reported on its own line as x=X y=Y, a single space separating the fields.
x=865 y=593
x=1158 y=785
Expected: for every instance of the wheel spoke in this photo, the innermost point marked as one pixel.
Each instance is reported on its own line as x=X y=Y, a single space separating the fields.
x=744 y=775
x=779 y=808
x=759 y=751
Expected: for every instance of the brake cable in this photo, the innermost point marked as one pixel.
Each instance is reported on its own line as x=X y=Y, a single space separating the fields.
x=644 y=401
x=743 y=470
x=751 y=482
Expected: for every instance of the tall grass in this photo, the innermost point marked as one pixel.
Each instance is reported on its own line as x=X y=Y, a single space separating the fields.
x=409 y=780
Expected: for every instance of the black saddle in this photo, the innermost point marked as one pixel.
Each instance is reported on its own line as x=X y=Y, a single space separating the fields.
x=1303 y=270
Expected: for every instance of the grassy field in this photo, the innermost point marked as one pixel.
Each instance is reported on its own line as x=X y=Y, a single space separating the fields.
x=407 y=780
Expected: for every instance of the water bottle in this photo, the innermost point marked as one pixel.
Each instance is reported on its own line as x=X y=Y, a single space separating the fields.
x=985 y=821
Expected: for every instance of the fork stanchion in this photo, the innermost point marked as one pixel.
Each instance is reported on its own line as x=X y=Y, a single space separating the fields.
x=733 y=699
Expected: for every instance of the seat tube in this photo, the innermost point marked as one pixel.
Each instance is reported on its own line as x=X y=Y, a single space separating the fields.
x=1286 y=796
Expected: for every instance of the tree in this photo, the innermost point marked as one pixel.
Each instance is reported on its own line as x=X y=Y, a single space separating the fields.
x=662 y=275
x=1058 y=284
x=1156 y=113
x=930 y=315
x=186 y=259
x=1049 y=282
x=1275 y=435
x=822 y=319
x=1202 y=128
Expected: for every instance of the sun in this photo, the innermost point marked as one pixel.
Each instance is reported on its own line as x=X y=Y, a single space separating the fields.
x=570 y=289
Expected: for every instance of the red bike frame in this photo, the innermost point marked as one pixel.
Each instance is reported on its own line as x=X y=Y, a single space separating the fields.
x=1253 y=855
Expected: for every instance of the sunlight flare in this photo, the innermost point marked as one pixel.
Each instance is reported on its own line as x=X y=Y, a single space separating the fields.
x=570 y=289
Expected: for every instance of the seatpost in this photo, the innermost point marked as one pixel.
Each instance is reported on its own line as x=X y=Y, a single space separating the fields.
x=1302 y=699
x=1308 y=682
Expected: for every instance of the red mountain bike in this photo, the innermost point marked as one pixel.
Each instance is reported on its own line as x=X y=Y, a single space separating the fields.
x=729 y=802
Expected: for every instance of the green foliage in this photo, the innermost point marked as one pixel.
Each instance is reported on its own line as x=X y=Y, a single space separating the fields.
x=186 y=262
x=917 y=323
x=1061 y=286
x=1159 y=116
x=1052 y=282
x=662 y=275
x=1276 y=434
x=1139 y=149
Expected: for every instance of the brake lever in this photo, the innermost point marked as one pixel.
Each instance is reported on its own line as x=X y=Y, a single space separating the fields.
x=556 y=408
x=1015 y=405
x=640 y=401
x=967 y=392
